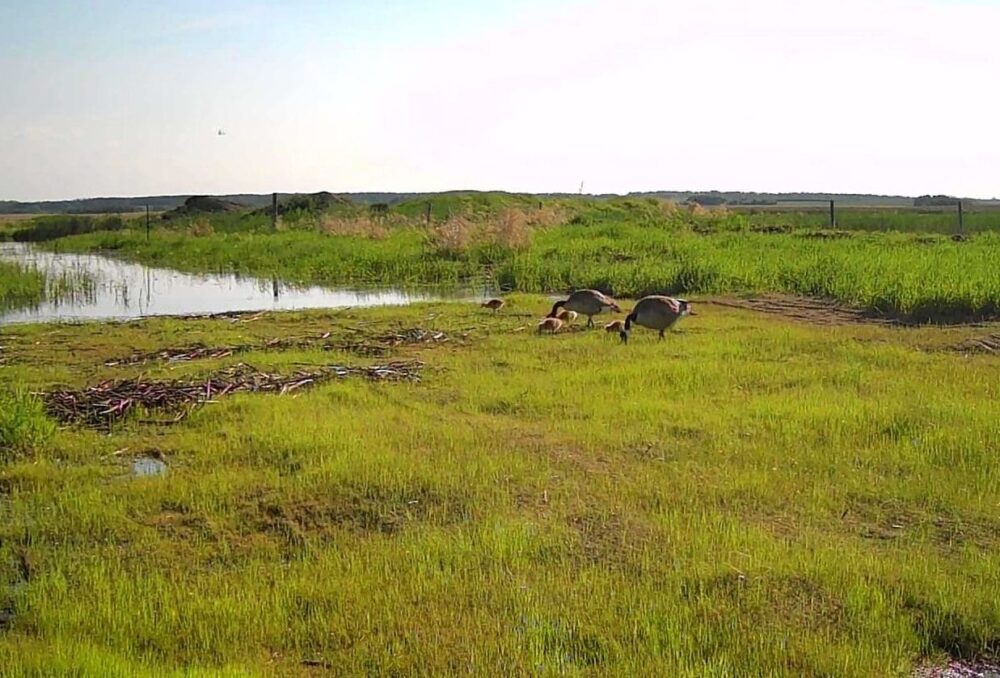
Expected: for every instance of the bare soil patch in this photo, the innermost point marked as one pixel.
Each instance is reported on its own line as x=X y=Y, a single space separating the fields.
x=359 y=344
x=987 y=344
x=960 y=669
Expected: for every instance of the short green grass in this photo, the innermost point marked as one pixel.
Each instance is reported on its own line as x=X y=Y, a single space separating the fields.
x=747 y=497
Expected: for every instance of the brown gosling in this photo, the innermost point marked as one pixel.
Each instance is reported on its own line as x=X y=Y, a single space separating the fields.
x=493 y=304
x=615 y=326
x=552 y=325
x=588 y=303
x=657 y=313
x=566 y=316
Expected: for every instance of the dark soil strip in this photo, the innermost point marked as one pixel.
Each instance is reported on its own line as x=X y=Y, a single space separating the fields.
x=367 y=346
x=960 y=669
x=987 y=344
x=829 y=312
x=806 y=309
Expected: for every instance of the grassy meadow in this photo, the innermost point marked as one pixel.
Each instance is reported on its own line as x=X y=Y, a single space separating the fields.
x=628 y=247
x=755 y=495
x=751 y=496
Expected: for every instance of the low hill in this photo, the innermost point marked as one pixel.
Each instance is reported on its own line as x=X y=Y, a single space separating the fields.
x=164 y=203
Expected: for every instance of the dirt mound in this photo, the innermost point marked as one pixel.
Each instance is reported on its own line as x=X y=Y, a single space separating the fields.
x=816 y=311
x=203 y=204
x=316 y=203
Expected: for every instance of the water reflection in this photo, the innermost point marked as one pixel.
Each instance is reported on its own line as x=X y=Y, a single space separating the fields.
x=121 y=290
x=147 y=466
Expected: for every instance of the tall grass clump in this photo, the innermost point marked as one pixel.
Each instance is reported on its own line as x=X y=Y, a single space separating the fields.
x=24 y=426
x=20 y=285
x=59 y=226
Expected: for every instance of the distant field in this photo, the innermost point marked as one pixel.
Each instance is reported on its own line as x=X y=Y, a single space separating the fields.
x=6 y=218
x=942 y=220
x=891 y=262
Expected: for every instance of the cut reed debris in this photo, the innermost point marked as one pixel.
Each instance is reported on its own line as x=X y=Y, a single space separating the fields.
x=112 y=400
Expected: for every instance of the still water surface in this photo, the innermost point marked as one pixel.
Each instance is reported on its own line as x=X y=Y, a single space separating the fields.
x=123 y=290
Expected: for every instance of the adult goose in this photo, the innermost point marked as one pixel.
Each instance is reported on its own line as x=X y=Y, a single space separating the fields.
x=656 y=313
x=586 y=302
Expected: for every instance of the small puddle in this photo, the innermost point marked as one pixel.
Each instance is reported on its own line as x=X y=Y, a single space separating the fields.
x=147 y=466
x=123 y=290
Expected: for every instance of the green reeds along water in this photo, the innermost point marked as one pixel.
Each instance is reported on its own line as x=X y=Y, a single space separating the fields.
x=23 y=286
x=20 y=285
x=751 y=496
x=628 y=247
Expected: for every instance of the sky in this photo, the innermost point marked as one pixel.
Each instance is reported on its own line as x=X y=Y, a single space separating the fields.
x=114 y=98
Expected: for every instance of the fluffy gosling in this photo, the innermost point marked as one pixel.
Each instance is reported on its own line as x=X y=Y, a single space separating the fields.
x=552 y=325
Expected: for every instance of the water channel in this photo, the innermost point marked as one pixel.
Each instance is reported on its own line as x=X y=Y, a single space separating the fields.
x=120 y=290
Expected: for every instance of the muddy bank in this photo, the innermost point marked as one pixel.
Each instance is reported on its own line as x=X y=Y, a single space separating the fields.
x=829 y=312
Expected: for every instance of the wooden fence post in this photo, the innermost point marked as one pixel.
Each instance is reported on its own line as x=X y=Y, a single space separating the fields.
x=147 y=223
x=833 y=215
x=427 y=216
x=274 y=211
x=961 y=219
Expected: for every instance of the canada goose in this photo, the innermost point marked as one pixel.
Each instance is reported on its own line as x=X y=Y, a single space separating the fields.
x=566 y=316
x=657 y=313
x=586 y=302
x=615 y=326
x=493 y=304
x=552 y=325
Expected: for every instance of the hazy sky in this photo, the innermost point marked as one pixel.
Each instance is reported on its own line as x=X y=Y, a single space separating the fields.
x=125 y=98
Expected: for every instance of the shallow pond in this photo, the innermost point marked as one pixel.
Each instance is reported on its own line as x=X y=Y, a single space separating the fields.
x=117 y=289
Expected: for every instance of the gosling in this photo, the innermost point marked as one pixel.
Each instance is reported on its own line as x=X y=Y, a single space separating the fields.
x=552 y=325
x=493 y=304
x=566 y=316
x=614 y=326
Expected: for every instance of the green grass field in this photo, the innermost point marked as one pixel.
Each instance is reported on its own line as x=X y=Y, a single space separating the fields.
x=751 y=496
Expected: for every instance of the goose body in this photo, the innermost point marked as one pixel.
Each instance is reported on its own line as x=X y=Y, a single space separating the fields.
x=656 y=313
x=586 y=302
